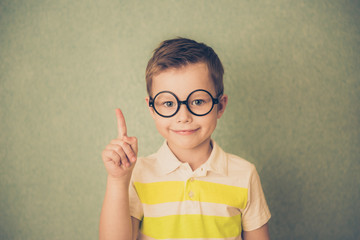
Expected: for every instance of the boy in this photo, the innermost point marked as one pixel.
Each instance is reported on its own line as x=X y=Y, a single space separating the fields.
x=190 y=188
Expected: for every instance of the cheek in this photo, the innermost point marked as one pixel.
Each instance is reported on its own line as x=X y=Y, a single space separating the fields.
x=161 y=123
x=210 y=122
x=213 y=124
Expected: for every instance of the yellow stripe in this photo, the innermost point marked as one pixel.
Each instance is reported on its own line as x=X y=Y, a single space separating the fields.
x=160 y=192
x=175 y=191
x=217 y=193
x=191 y=226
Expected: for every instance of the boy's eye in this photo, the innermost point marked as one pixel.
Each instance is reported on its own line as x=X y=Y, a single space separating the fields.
x=197 y=102
x=168 y=104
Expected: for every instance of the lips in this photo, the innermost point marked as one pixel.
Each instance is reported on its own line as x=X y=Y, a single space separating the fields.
x=185 y=131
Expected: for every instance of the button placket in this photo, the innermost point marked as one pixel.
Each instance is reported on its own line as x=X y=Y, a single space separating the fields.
x=190 y=191
x=191 y=194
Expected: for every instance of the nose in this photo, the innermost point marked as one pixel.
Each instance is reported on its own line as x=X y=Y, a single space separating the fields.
x=183 y=115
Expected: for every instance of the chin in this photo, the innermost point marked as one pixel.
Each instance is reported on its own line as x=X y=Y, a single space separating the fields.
x=187 y=143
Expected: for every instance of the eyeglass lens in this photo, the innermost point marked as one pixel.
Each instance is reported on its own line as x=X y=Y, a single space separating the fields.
x=199 y=103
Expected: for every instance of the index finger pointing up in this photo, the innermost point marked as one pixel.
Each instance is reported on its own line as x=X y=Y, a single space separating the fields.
x=120 y=123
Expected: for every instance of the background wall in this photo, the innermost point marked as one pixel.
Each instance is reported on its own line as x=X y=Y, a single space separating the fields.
x=292 y=76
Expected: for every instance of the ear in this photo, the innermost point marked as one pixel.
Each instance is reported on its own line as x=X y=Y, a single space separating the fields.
x=222 y=105
x=151 y=110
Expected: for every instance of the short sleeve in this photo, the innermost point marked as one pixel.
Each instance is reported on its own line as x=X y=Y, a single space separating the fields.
x=256 y=213
x=135 y=205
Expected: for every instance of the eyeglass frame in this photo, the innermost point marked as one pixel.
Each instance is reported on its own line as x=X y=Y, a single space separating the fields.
x=214 y=101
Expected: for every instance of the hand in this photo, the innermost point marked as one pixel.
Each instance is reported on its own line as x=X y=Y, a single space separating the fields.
x=120 y=155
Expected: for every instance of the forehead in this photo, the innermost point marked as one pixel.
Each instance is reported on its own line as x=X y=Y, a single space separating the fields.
x=182 y=81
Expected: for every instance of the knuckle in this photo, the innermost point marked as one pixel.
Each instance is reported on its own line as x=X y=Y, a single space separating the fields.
x=131 y=154
x=106 y=153
x=118 y=149
x=133 y=139
x=103 y=156
x=121 y=154
x=125 y=146
x=114 y=155
x=120 y=143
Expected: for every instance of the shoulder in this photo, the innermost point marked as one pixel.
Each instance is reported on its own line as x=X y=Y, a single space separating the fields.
x=239 y=162
x=233 y=161
x=234 y=165
x=240 y=168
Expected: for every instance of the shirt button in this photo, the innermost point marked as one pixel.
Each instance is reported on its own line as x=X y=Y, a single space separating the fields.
x=192 y=179
x=191 y=194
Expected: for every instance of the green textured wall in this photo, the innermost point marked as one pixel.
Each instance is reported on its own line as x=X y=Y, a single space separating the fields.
x=292 y=76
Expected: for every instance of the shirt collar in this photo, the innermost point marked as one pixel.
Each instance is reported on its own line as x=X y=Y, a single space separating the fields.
x=217 y=161
x=168 y=162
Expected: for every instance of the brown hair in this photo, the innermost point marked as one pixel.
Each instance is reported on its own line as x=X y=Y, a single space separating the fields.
x=179 y=52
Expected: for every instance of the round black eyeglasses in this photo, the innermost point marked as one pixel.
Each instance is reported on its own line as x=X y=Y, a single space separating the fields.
x=199 y=102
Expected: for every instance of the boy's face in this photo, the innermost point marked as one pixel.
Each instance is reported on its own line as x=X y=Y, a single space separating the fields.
x=185 y=130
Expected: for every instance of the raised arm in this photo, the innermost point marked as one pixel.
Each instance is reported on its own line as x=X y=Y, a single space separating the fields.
x=119 y=158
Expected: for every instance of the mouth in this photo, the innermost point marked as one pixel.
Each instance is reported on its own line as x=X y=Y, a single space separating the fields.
x=185 y=132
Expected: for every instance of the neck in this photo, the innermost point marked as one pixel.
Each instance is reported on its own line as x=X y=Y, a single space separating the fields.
x=195 y=157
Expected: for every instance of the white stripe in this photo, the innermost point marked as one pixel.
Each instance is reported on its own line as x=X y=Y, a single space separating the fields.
x=189 y=207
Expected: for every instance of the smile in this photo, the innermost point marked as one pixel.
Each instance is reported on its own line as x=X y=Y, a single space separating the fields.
x=185 y=132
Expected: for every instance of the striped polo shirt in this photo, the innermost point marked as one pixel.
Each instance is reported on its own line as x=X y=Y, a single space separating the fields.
x=216 y=201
